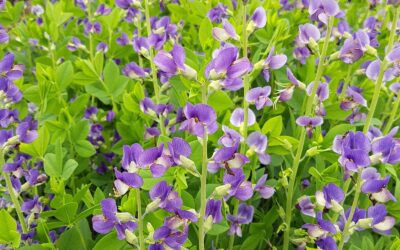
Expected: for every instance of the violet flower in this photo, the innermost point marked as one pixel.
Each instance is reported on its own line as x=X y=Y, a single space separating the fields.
x=309 y=33
x=321 y=229
x=225 y=33
x=373 y=69
x=27 y=130
x=237 y=118
x=375 y=186
x=330 y=197
x=321 y=10
x=217 y=14
x=380 y=223
x=309 y=123
x=174 y=62
x=244 y=216
x=260 y=97
x=271 y=62
x=213 y=210
x=228 y=158
x=200 y=118
x=230 y=137
x=258 y=19
x=258 y=143
x=353 y=99
x=305 y=206
x=110 y=219
x=265 y=191
x=239 y=187
x=163 y=196
x=133 y=71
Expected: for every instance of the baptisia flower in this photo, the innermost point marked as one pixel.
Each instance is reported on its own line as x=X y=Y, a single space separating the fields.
x=271 y=62
x=228 y=158
x=260 y=97
x=163 y=196
x=147 y=106
x=386 y=149
x=226 y=69
x=172 y=63
x=230 y=137
x=353 y=99
x=321 y=229
x=265 y=191
x=258 y=19
x=321 y=10
x=239 y=187
x=217 y=14
x=237 y=118
x=373 y=69
x=305 y=206
x=200 y=119
x=286 y=93
x=309 y=123
x=377 y=219
x=213 y=213
x=258 y=144
x=330 y=197
x=244 y=216
x=309 y=34
x=375 y=186
x=354 y=149
x=322 y=94
x=111 y=218
x=355 y=47
x=225 y=33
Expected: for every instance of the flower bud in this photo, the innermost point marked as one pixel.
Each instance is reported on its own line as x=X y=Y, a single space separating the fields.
x=189 y=165
x=152 y=206
x=259 y=65
x=189 y=73
x=222 y=190
x=364 y=223
x=312 y=151
x=130 y=237
x=208 y=223
x=371 y=51
x=124 y=216
x=336 y=207
x=313 y=45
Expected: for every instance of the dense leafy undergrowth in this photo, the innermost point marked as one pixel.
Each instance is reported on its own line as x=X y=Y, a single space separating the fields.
x=208 y=124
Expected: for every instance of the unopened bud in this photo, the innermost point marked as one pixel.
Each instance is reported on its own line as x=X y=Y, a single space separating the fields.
x=312 y=152
x=152 y=206
x=124 y=216
x=130 y=237
x=189 y=73
x=336 y=207
x=364 y=223
x=208 y=223
x=222 y=190
x=371 y=50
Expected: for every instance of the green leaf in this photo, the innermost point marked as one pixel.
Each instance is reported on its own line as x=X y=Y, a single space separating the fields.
x=8 y=229
x=115 y=82
x=67 y=212
x=38 y=147
x=110 y=241
x=84 y=148
x=51 y=167
x=205 y=32
x=78 y=236
x=219 y=228
x=337 y=130
x=63 y=74
x=69 y=168
x=220 y=101
x=273 y=126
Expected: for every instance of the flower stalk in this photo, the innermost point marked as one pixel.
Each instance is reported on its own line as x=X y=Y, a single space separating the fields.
x=246 y=85
x=156 y=87
x=308 y=112
x=203 y=177
x=13 y=197
x=367 y=124
x=140 y=220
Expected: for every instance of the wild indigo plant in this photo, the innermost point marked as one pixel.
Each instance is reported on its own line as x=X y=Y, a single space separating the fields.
x=175 y=124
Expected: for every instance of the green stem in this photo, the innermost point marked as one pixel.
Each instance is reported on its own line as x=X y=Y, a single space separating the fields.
x=13 y=197
x=235 y=211
x=392 y=114
x=352 y=210
x=156 y=87
x=203 y=179
x=382 y=69
x=346 y=82
x=299 y=151
x=246 y=85
x=90 y=18
x=140 y=220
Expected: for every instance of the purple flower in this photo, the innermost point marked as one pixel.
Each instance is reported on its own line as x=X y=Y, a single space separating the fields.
x=244 y=216
x=305 y=206
x=126 y=180
x=321 y=229
x=309 y=123
x=179 y=150
x=386 y=148
x=200 y=118
x=258 y=143
x=326 y=243
x=133 y=71
x=239 y=187
x=32 y=206
x=260 y=97
x=358 y=217
x=308 y=33
x=322 y=90
x=75 y=44
x=174 y=62
x=4 y=37
x=155 y=160
x=147 y=106
x=265 y=191
x=230 y=137
x=94 y=27
x=126 y=4
x=27 y=130
x=165 y=197
x=91 y=112
x=373 y=69
x=213 y=210
x=102 y=10
x=225 y=64
x=258 y=19
x=227 y=158
x=123 y=39
x=218 y=13
x=141 y=45
x=330 y=197
x=380 y=222
x=321 y=10
x=102 y=47
x=395 y=88
x=110 y=218
x=226 y=33
x=375 y=186
x=237 y=117
x=9 y=71
x=130 y=157
x=353 y=99
x=354 y=149
x=272 y=62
